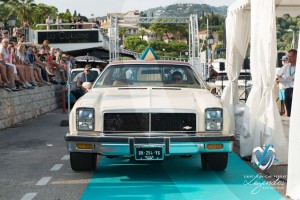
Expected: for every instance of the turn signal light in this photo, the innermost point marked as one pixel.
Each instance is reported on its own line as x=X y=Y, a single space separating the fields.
x=214 y=146
x=84 y=146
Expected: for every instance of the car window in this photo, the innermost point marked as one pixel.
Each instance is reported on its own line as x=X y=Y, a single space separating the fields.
x=158 y=75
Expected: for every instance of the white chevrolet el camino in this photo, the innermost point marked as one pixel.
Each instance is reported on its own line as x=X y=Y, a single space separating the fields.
x=149 y=110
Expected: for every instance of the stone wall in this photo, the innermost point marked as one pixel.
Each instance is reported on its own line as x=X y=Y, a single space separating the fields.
x=19 y=106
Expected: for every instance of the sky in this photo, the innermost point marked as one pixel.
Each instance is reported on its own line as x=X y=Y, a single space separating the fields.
x=100 y=8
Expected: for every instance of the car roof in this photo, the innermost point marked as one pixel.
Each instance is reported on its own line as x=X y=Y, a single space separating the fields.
x=149 y=62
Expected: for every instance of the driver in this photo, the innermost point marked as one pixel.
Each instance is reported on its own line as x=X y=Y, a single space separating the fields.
x=177 y=77
x=76 y=88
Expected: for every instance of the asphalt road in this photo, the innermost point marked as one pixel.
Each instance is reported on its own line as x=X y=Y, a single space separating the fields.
x=35 y=165
x=35 y=162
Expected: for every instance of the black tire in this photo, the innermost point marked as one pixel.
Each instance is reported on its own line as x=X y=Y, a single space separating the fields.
x=214 y=161
x=83 y=161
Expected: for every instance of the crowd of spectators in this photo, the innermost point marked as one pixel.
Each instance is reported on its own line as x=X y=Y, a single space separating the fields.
x=26 y=66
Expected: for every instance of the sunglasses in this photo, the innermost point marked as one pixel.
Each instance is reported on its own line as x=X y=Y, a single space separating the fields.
x=5 y=33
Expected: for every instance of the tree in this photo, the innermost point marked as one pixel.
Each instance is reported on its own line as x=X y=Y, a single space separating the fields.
x=171 y=31
x=5 y=12
x=220 y=35
x=134 y=42
x=180 y=31
x=158 y=45
x=66 y=16
x=22 y=8
x=41 y=12
x=175 y=46
x=142 y=32
x=122 y=33
x=141 y=48
x=160 y=30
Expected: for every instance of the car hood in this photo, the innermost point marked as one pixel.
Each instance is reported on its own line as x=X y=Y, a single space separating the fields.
x=148 y=99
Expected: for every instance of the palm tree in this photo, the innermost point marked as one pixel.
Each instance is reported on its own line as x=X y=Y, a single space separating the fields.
x=142 y=32
x=122 y=33
x=22 y=8
x=5 y=12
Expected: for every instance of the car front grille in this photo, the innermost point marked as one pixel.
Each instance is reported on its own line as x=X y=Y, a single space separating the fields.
x=149 y=122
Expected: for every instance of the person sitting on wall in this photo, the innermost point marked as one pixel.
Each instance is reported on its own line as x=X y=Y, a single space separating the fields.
x=14 y=37
x=4 y=34
x=22 y=39
x=6 y=74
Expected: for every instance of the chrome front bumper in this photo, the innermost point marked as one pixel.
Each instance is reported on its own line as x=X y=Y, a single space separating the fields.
x=173 y=145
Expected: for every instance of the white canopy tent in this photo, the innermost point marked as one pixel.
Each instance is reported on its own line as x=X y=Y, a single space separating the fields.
x=256 y=19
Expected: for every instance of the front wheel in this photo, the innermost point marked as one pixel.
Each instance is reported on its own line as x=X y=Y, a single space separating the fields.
x=214 y=161
x=83 y=161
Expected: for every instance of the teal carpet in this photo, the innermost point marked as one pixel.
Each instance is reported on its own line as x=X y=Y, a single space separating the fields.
x=175 y=179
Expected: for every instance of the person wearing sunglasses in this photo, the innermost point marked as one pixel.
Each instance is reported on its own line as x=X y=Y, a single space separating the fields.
x=4 y=34
x=77 y=88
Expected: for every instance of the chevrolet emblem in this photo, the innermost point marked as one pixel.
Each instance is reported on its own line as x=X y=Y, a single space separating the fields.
x=187 y=128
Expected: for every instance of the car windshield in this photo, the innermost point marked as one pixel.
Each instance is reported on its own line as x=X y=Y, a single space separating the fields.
x=156 y=75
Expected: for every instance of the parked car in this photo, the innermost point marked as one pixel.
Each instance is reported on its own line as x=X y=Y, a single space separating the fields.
x=149 y=110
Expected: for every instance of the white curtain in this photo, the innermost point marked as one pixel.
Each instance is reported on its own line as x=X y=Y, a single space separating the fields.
x=293 y=184
x=247 y=138
x=238 y=37
x=261 y=118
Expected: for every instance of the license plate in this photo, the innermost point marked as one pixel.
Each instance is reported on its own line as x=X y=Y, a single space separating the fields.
x=149 y=153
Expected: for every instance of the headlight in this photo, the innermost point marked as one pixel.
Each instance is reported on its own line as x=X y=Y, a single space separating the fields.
x=213 y=119
x=85 y=119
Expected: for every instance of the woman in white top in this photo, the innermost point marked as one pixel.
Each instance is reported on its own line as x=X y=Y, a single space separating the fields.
x=22 y=70
x=58 y=22
x=33 y=75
